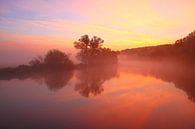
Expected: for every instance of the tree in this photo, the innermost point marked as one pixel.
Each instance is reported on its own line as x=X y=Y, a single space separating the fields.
x=36 y=61
x=55 y=58
x=82 y=43
x=96 y=42
x=88 y=47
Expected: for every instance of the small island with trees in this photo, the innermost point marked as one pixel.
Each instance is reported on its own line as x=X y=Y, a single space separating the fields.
x=91 y=54
x=98 y=64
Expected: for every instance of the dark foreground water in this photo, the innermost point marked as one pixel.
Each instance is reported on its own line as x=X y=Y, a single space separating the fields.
x=134 y=95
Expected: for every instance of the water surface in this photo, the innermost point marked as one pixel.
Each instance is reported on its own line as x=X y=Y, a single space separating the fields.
x=132 y=95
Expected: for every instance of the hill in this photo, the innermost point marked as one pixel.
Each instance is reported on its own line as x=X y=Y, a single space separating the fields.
x=182 y=49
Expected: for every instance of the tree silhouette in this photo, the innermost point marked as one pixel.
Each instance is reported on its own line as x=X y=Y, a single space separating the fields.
x=95 y=42
x=183 y=50
x=55 y=58
x=88 y=47
x=91 y=51
x=83 y=45
x=37 y=61
x=185 y=47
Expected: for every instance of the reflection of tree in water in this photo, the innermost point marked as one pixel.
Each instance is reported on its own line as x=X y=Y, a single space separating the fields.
x=54 y=79
x=91 y=79
x=58 y=79
x=184 y=80
x=182 y=76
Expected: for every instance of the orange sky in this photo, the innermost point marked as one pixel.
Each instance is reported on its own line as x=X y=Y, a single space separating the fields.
x=121 y=23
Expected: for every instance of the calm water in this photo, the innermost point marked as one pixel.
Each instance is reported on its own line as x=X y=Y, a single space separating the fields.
x=134 y=95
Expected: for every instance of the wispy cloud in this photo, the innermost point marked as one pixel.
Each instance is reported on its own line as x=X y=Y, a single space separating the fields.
x=128 y=22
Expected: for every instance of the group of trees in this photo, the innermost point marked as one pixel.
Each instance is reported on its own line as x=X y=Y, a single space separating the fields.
x=56 y=68
x=183 y=49
x=53 y=59
x=151 y=52
x=91 y=53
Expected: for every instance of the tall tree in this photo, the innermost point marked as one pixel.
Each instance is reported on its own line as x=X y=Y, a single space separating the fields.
x=88 y=47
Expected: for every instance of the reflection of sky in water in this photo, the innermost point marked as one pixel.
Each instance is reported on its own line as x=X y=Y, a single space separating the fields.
x=130 y=100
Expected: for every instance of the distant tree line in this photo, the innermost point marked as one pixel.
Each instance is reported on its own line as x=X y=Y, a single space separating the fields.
x=185 y=47
x=182 y=49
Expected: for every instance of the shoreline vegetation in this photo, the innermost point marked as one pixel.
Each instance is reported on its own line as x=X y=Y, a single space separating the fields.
x=98 y=64
x=183 y=50
x=92 y=54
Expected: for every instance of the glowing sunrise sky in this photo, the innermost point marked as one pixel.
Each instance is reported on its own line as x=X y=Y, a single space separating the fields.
x=121 y=23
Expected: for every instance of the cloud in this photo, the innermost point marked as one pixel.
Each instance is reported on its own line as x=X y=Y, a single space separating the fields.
x=128 y=22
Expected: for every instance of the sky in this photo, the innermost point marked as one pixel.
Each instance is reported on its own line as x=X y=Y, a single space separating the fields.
x=37 y=25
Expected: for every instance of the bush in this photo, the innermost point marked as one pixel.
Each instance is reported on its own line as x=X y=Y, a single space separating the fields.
x=55 y=58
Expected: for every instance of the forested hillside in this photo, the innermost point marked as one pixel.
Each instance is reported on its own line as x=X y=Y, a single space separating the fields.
x=183 y=49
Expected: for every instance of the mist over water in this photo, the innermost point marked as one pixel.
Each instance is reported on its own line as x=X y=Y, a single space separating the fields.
x=97 y=64
x=139 y=94
x=14 y=54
